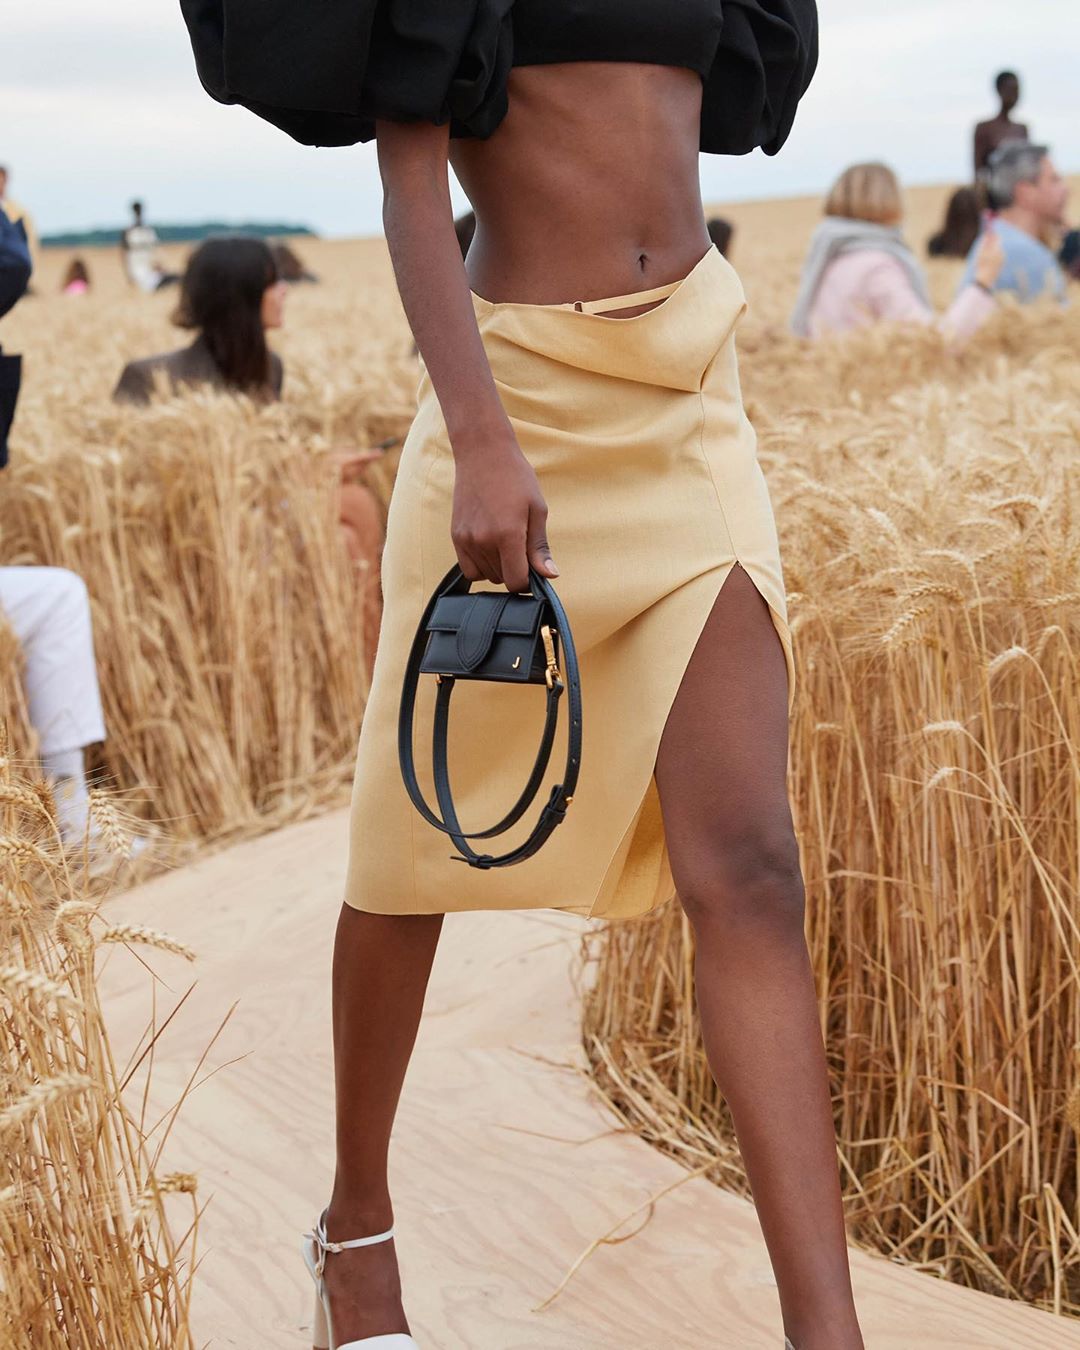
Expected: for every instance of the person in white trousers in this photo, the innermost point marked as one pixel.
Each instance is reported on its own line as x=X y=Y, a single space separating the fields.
x=48 y=610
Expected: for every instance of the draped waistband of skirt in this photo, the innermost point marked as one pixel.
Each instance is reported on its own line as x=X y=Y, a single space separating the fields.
x=704 y=263
x=596 y=306
x=670 y=345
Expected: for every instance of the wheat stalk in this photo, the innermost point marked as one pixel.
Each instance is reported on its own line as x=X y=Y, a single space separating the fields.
x=87 y=1254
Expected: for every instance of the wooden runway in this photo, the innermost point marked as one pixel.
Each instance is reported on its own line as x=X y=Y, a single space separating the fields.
x=505 y=1168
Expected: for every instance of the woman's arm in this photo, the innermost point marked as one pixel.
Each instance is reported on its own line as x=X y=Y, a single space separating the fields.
x=499 y=514
x=136 y=384
x=975 y=303
x=891 y=295
x=967 y=313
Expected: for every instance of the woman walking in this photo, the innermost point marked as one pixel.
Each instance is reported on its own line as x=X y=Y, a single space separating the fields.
x=579 y=405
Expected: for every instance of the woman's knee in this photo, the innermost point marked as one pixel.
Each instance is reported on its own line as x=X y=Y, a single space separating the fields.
x=361 y=523
x=44 y=605
x=752 y=882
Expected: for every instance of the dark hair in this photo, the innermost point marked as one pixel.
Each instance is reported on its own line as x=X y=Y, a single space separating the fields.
x=1012 y=163
x=288 y=263
x=720 y=232
x=76 y=272
x=1070 y=253
x=221 y=295
x=1005 y=75
x=136 y=208
x=961 y=227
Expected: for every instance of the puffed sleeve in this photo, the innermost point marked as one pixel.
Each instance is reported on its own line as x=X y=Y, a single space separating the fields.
x=766 y=58
x=324 y=72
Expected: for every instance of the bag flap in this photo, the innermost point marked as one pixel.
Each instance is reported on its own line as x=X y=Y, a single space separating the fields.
x=521 y=614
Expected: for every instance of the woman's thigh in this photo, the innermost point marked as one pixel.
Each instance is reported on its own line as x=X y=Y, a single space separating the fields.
x=721 y=769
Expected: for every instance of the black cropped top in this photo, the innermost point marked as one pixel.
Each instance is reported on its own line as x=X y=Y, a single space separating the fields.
x=657 y=31
x=324 y=74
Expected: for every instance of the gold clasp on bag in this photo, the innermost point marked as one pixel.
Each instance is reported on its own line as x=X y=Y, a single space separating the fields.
x=551 y=675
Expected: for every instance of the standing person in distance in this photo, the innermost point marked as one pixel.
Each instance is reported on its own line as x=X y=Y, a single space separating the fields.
x=16 y=268
x=997 y=130
x=138 y=246
x=19 y=216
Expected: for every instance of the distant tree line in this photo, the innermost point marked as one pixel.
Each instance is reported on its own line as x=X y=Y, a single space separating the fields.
x=176 y=234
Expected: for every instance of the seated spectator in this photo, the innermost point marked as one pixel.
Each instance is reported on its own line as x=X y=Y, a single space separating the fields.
x=721 y=232
x=48 y=611
x=76 y=279
x=859 y=271
x=1029 y=196
x=289 y=266
x=961 y=228
x=230 y=294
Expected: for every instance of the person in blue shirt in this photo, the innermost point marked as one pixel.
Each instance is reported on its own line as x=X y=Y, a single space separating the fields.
x=1029 y=196
x=15 y=269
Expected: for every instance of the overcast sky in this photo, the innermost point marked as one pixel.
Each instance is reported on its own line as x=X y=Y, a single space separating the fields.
x=99 y=102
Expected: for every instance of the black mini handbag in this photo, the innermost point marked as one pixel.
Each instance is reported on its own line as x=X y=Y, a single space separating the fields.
x=512 y=639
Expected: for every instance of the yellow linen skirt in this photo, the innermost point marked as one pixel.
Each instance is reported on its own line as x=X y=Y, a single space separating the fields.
x=649 y=466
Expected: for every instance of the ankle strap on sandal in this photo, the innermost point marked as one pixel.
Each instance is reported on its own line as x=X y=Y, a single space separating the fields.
x=324 y=1247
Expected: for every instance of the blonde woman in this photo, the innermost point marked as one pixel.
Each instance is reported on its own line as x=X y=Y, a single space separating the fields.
x=579 y=404
x=859 y=270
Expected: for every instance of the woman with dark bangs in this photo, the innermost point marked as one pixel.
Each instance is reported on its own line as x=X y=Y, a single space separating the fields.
x=230 y=295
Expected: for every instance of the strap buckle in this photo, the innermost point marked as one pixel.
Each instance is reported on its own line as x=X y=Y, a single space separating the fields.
x=552 y=677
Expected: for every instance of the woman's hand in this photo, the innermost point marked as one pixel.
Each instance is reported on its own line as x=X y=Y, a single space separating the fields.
x=352 y=463
x=499 y=524
x=989 y=259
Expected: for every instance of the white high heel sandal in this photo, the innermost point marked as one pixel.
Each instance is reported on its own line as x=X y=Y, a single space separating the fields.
x=315 y=1249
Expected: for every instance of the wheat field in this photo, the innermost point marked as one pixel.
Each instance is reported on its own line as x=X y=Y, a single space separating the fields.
x=928 y=503
x=228 y=624
x=92 y=1255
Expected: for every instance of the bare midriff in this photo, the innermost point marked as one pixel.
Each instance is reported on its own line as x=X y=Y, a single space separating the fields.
x=589 y=188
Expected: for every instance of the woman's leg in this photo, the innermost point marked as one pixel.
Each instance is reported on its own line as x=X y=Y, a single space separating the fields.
x=381 y=968
x=722 y=777
x=48 y=610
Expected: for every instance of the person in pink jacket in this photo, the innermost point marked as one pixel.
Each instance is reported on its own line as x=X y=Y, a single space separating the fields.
x=859 y=270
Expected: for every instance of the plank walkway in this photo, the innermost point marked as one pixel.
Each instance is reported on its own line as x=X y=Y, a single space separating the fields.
x=505 y=1166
